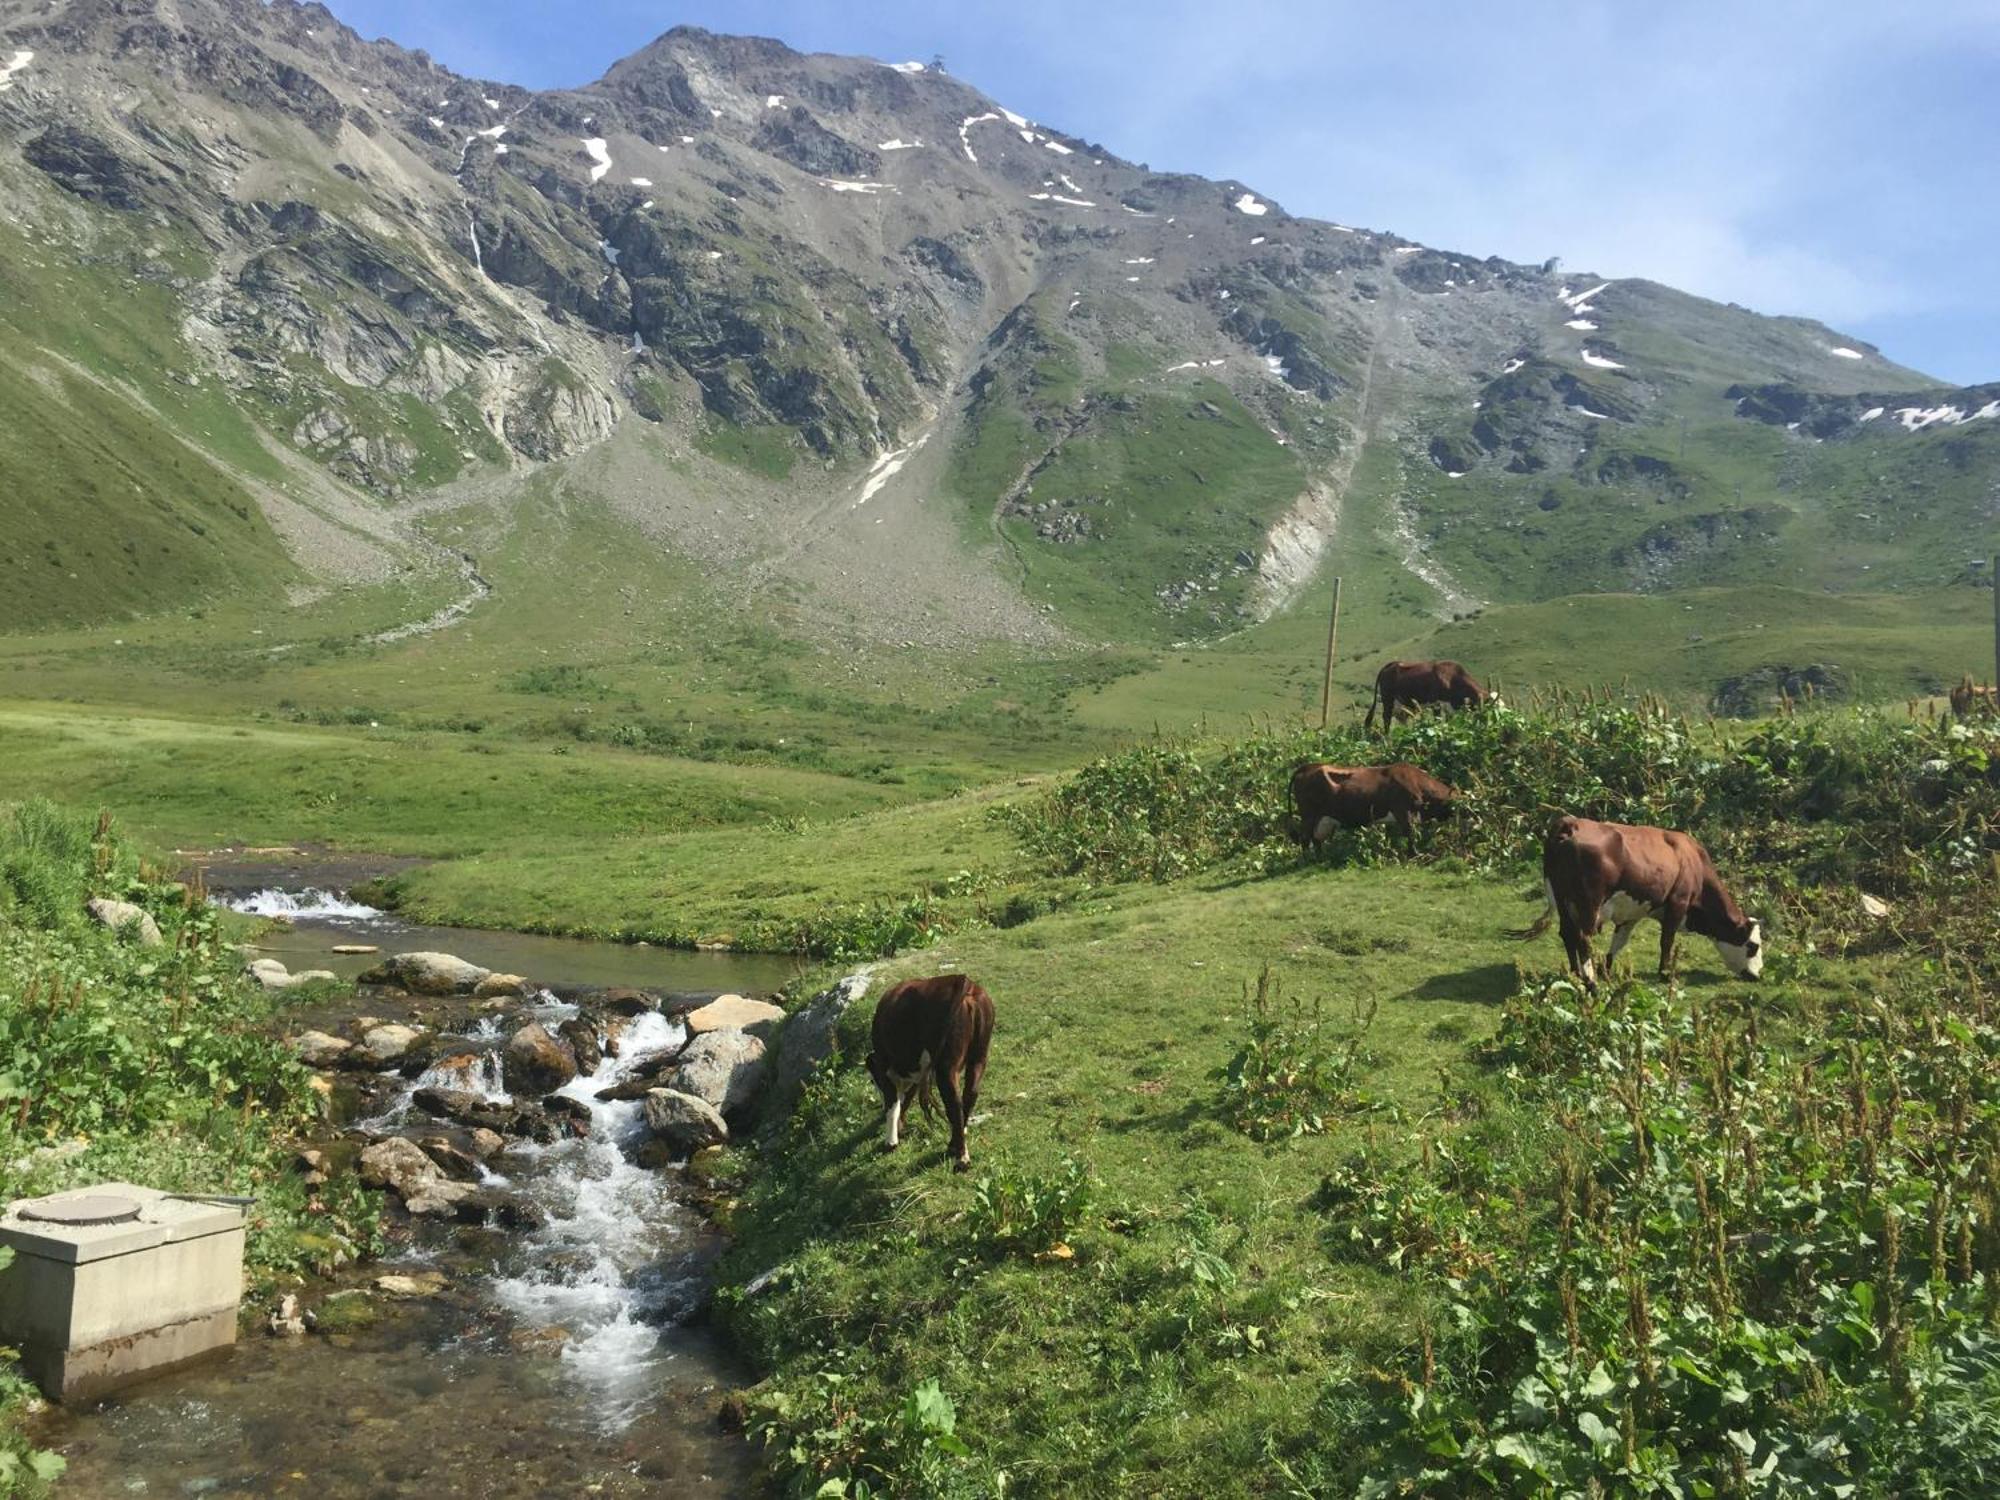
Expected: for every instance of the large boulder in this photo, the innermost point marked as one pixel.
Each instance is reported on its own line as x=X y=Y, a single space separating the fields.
x=273 y=975
x=400 y=1165
x=317 y=1049
x=738 y=1012
x=583 y=1043
x=386 y=1045
x=501 y=987
x=809 y=1036
x=535 y=1062
x=428 y=974
x=683 y=1121
x=623 y=1002
x=725 y=1068
x=124 y=917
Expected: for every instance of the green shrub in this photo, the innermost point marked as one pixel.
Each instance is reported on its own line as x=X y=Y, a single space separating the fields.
x=1022 y=1212
x=1727 y=1265
x=1295 y=1072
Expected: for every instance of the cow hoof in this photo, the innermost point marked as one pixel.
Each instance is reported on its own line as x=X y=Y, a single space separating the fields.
x=963 y=1164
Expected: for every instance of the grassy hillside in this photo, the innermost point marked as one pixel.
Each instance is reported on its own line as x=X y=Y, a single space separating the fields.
x=1288 y=1176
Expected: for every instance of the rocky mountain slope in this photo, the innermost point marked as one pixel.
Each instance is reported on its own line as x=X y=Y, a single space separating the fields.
x=274 y=296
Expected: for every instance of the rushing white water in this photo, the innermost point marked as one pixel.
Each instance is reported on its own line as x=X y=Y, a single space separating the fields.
x=313 y=902
x=599 y=1269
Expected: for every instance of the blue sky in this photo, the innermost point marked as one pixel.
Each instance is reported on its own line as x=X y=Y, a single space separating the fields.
x=1835 y=159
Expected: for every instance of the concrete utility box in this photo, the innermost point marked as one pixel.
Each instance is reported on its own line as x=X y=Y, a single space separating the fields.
x=114 y=1282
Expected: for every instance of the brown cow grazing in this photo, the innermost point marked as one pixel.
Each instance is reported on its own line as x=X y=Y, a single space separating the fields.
x=932 y=1029
x=1621 y=873
x=1417 y=684
x=1970 y=696
x=1330 y=797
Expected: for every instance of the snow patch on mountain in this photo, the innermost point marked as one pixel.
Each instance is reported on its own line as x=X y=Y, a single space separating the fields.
x=14 y=64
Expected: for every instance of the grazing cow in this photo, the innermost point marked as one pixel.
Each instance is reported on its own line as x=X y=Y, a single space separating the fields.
x=1329 y=797
x=932 y=1029
x=1416 y=684
x=1970 y=696
x=1616 y=872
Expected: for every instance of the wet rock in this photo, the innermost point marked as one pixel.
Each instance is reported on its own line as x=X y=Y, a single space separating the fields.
x=428 y=974
x=125 y=918
x=537 y=1063
x=464 y=1106
x=809 y=1036
x=645 y=1076
x=312 y=1167
x=583 y=1044
x=412 y=1284
x=273 y=975
x=630 y=1002
x=501 y=986
x=572 y=1115
x=318 y=1049
x=347 y=1311
x=440 y=1197
x=386 y=1045
x=284 y=1321
x=725 y=1068
x=685 y=1122
x=759 y=1017
x=452 y=1160
x=399 y=1165
x=614 y=1033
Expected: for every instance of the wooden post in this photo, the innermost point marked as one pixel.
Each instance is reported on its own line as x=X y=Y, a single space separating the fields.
x=1993 y=577
x=1333 y=639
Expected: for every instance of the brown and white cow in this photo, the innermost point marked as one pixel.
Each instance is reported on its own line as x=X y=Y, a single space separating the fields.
x=926 y=1030
x=1622 y=873
x=1970 y=697
x=1418 y=684
x=1327 y=797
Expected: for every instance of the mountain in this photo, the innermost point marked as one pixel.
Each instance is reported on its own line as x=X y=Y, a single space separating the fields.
x=287 y=310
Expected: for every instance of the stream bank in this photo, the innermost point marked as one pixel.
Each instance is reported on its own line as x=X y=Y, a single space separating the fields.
x=552 y=1346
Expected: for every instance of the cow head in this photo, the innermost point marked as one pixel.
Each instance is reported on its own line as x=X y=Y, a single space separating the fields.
x=880 y=1073
x=1745 y=959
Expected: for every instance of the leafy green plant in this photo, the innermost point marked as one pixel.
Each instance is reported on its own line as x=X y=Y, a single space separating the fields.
x=1295 y=1071
x=1730 y=1266
x=1023 y=1212
x=820 y=1443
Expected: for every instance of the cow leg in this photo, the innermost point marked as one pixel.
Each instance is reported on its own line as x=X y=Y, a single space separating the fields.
x=1670 y=928
x=1576 y=942
x=1408 y=824
x=954 y=1111
x=892 y=1120
x=974 y=1072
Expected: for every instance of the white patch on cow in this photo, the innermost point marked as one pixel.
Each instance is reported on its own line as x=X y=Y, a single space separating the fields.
x=1745 y=960
x=1323 y=830
x=891 y=1137
x=1622 y=910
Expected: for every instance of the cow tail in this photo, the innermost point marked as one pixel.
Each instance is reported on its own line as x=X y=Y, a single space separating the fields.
x=1537 y=927
x=1374 y=698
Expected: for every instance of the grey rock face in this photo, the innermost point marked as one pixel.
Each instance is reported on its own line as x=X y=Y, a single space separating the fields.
x=808 y=1037
x=124 y=917
x=536 y=1062
x=725 y=1068
x=684 y=1121
x=428 y=974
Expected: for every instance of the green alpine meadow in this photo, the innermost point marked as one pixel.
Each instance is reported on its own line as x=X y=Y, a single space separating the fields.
x=526 y=611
